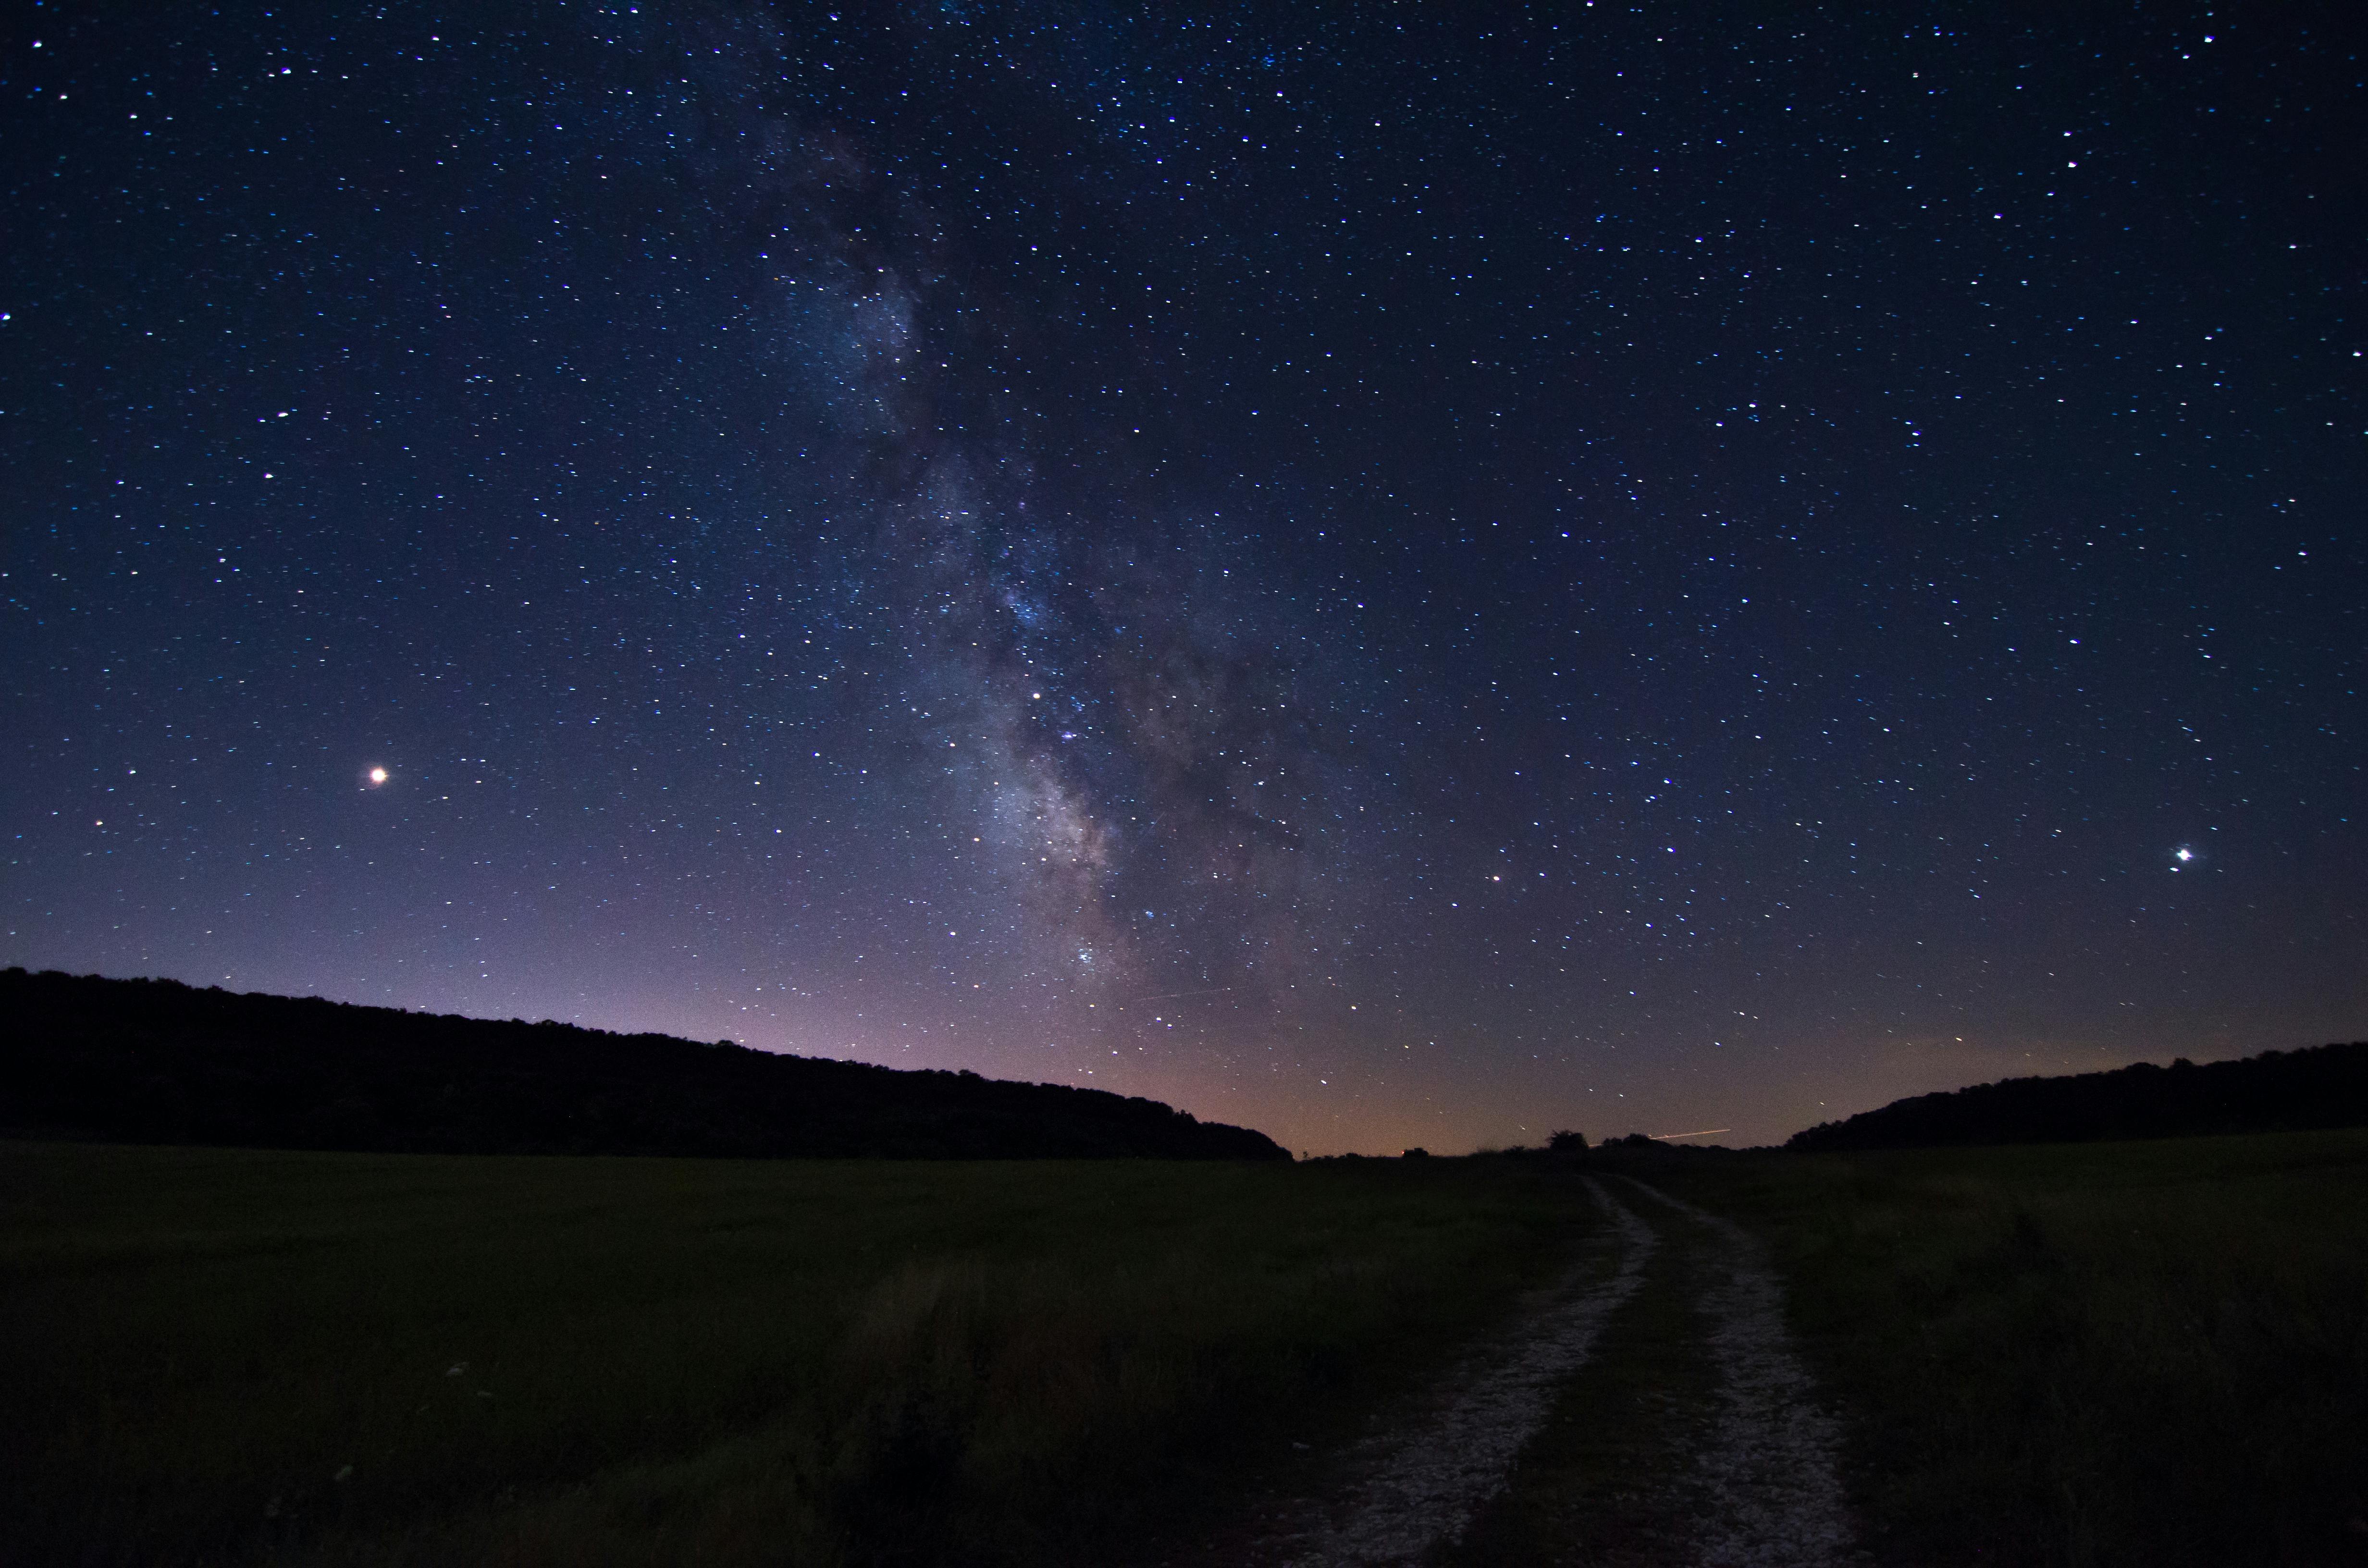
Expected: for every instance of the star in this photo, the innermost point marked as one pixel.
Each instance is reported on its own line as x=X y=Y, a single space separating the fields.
x=1268 y=577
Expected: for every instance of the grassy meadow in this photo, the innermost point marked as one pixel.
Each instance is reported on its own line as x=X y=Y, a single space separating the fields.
x=2140 y=1353
x=2086 y=1355
x=239 y=1357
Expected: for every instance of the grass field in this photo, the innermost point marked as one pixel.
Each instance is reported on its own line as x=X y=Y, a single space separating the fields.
x=2144 y=1353
x=2148 y=1352
x=241 y=1357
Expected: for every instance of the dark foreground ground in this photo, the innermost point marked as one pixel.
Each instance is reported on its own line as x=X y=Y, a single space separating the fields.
x=2151 y=1353
x=2141 y=1352
x=240 y=1356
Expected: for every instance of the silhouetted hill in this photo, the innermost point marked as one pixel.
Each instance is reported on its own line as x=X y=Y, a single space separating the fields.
x=157 y=1061
x=2276 y=1091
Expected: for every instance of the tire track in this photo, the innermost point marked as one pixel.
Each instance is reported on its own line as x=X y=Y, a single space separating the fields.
x=1748 y=1477
x=1767 y=1473
x=1407 y=1490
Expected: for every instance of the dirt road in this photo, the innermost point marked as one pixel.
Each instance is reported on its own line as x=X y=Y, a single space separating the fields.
x=1650 y=1408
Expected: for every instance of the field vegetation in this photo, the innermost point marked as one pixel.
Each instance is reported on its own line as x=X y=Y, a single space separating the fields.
x=241 y=1357
x=2136 y=1353
x=2085 y=1356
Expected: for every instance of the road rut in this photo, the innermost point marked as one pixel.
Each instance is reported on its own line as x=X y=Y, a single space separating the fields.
x=1759 y=1488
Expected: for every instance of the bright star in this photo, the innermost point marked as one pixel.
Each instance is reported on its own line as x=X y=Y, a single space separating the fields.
x=377 y=775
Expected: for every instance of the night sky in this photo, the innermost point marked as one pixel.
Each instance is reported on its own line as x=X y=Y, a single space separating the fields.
x=1392 y=573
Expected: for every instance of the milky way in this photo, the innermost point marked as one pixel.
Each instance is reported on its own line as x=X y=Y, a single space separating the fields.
x=1396 y=576
x=1156 y=743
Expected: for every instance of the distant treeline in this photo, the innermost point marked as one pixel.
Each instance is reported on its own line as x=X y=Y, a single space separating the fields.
x=158 y=1062
x=2276 y=1091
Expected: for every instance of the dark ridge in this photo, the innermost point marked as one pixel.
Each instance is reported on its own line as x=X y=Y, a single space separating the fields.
x=2277 y=1091
x=158 y=1062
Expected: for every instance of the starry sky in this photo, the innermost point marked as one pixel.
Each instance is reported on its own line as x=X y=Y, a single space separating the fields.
x=1394 y=573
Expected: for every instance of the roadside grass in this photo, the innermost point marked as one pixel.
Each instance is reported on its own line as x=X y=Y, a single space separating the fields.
x=243 y=1357
x=2084 y=1355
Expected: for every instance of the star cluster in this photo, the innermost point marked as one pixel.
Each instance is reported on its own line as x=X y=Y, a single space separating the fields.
x=1396 y=574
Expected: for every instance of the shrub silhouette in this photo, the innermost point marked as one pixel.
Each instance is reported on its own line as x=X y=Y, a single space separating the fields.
x=2277 y=1091
x=157 y=1061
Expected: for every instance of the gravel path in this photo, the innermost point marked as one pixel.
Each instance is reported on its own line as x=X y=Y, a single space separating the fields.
x=1762 y=1491
x=1420 y=1483
x=1772 y=1495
